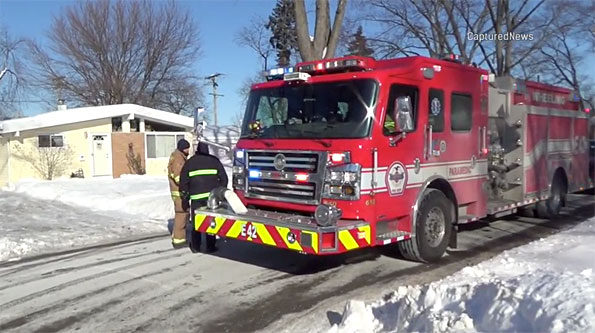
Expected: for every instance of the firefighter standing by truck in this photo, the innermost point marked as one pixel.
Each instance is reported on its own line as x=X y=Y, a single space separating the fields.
x=174 y=167
x=200 y=175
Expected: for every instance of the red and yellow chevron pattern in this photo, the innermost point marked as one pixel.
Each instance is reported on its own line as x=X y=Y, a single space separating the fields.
x=305 y=241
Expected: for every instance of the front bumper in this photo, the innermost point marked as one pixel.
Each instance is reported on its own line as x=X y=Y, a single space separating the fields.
x=286 y=231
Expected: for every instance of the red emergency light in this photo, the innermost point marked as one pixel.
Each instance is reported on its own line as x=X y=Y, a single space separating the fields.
x=301 y=177
x=336 y=65
x=587 y=110
x=339 y=158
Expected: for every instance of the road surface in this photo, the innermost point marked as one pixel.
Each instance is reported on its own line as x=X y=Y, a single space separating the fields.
x=144 y=285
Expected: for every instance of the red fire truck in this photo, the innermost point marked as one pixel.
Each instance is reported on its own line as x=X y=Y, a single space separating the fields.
x=341 y=154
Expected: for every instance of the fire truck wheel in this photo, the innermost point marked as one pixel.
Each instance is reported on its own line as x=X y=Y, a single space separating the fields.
x=550 y=208
x=433 y=228
x=527 y=211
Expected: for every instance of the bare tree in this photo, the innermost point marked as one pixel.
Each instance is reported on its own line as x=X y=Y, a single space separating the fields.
x=562 y=56
x=110 y=52
x=500 y=34
x=135 y=161
x=12 y=74
x=325 y=40
x=49 y=162
x=257 y=37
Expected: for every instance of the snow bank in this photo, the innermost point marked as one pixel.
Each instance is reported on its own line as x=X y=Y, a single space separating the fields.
x=544 y=286
x=32 y=226
x=142 y=196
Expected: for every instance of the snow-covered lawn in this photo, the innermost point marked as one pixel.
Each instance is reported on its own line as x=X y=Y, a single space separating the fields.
x=43 y=216
x=142 y=196
x=544 y=286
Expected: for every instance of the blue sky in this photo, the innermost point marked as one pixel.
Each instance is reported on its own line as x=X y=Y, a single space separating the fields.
x=218 y=22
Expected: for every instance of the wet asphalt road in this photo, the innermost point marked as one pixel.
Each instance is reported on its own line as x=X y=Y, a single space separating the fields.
x=144 y=285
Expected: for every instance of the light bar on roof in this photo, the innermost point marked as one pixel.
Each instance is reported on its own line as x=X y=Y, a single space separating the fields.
x=277 y=73
x=330 y=65
x=296 y=76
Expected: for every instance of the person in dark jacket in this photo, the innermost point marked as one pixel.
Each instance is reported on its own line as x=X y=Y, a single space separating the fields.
x=200 y=175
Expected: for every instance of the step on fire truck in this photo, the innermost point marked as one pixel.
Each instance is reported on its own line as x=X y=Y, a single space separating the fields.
x=347 y=153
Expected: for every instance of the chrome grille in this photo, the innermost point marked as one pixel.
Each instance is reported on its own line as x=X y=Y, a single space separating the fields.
x=306 y=162
x=278 y=171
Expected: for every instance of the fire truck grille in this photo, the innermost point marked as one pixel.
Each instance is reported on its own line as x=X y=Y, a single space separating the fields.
x=278 y=174
x=293 y=162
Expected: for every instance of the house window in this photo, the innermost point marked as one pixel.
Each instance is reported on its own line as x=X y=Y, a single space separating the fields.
x=47 y=141
x=117 y=124
x=162 y=145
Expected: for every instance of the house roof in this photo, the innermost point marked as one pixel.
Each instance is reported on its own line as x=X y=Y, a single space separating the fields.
x=77 y=115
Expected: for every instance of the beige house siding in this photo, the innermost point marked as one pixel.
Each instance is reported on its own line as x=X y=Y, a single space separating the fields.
x=4 y=162
x=77 y=137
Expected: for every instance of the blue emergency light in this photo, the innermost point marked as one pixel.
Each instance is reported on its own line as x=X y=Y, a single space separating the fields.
x=277 y=73
x=254 y=174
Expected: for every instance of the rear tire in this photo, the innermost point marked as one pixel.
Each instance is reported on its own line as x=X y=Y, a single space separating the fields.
x=550 y=208
x=527 y=211
x=433 y=228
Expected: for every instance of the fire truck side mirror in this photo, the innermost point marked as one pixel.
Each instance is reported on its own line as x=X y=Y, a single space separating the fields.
x=402 y=113
x=200 y=126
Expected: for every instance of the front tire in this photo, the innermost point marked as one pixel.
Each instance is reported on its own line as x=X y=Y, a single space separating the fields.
x=433 y=228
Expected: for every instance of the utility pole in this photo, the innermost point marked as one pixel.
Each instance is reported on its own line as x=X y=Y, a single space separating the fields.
x=214 y=83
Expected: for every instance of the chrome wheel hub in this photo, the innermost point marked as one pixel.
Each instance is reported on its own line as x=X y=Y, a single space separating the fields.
x=435 y=227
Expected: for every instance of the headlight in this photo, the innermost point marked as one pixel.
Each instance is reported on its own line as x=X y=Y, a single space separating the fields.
x=350 y=177
x=238 y=170
x=326 y=215
x=342 y=182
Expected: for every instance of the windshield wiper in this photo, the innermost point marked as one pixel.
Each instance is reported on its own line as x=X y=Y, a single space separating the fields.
x=322 y=142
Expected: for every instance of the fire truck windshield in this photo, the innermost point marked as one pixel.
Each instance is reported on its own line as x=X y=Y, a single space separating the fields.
x=340 y=109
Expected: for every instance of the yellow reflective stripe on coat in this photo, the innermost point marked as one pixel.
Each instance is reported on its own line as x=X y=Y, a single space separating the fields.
x=176 y=194
x=200 y=196
x=202 y=172
x=179 y=240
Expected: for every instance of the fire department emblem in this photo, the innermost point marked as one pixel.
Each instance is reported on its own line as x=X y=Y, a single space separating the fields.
x=396 y=178
x=279 y=162
x=435 y=106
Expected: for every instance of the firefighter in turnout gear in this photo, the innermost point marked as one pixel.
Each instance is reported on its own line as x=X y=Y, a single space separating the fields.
x=176 y=162
x=200 y=175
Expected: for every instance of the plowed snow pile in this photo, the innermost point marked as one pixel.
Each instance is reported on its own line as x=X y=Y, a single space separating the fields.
x=544 y=286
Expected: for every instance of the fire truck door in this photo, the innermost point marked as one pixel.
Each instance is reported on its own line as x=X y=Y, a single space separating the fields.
x=454 y=139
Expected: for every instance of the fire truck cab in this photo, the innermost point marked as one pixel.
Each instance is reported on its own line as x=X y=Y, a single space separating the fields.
x=346 y=153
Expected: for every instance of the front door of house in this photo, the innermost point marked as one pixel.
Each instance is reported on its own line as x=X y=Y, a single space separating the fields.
x=101 y=155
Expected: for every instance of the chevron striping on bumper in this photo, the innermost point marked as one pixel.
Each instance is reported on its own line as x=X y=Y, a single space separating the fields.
x=264 y=234
x=235 y=230
x=284 y=232
x=198 y=221
x=347 y=240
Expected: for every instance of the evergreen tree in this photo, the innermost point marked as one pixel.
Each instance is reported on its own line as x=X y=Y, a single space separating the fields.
x=282 y=26
x=358 y=44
